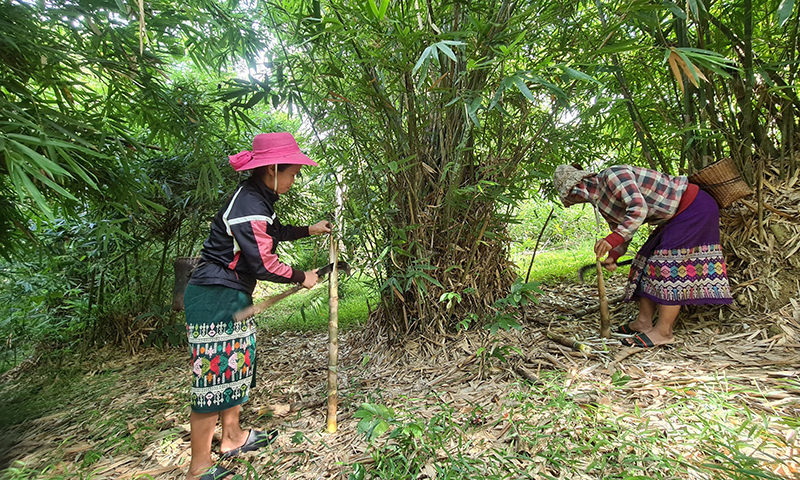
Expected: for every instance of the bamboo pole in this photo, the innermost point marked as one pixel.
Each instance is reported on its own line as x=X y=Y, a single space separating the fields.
x=333 y=337
x=605 y=320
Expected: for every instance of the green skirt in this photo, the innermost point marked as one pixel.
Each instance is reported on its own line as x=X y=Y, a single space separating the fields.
x=223 y=350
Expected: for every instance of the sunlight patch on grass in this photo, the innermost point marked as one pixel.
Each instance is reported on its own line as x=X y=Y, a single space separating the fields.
x=307 y=310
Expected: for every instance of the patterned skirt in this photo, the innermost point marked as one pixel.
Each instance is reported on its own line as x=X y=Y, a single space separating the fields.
x=223 y=350
x=681 y=263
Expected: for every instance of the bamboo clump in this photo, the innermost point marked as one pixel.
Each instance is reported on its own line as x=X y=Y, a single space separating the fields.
x=763 y=257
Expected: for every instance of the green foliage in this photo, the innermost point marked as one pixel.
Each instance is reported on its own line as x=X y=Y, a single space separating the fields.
x=504 y=308
x=374 y=421
x=308 y=311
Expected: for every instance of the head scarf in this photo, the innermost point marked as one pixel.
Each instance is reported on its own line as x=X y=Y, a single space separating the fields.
x=565 y=178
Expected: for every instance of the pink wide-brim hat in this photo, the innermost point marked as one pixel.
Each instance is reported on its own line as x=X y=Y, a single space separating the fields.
x=270 y=149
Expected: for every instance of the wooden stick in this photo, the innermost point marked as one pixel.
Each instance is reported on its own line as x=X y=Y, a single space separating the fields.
x=605 y=319
x=333 y=338
x=536 y=247
x=251 y=310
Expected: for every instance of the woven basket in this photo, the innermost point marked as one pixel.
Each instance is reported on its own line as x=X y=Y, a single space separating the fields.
x=722 y=181
x=184 y=266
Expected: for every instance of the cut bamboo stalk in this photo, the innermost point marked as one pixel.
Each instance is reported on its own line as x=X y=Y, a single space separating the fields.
x=605 y=320
x=569 y=342
x=333 y=337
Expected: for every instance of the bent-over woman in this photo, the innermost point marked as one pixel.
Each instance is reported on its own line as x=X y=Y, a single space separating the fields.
x=681 y=262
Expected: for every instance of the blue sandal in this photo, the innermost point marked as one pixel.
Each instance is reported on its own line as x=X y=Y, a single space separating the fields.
x=216 y=473
x=257 y=439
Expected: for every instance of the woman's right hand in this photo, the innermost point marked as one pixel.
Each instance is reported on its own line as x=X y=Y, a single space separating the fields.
x=609 y=264
x=311 y=278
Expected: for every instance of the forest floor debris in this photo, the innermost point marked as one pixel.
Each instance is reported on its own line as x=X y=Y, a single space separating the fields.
x=516 y=392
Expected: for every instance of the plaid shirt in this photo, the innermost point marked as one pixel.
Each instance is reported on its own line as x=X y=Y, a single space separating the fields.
x=629 y=196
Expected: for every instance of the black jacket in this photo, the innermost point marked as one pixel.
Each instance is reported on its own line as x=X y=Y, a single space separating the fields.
x=244 y=238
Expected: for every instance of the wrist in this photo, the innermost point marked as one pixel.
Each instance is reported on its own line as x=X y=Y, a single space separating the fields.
x=615 y=240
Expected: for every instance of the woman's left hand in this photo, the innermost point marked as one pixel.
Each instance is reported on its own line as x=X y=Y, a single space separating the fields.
x=601 y=248
x=319 y=228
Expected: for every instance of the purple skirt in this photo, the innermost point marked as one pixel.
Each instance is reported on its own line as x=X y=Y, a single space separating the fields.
x=681 y=263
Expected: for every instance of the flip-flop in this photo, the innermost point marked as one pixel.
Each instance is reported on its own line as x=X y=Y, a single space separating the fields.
x=625 y=330
x=257 y=439
x=641 y=340
x=216 y=473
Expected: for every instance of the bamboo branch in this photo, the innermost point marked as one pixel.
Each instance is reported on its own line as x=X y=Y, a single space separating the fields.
x=535 y=247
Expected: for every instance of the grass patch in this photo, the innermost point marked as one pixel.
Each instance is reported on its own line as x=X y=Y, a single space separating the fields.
x=567 y=243
x=556 y=266
x=307 y=310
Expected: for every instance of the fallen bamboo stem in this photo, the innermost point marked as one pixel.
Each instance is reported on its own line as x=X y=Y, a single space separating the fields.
x=568 y=342
x=605 y=319
x=556 y=362
x=527 y=375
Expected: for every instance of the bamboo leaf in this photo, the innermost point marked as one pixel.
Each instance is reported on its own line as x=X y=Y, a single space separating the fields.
x=785 y=11
x=422 y=59
x=25 y=187
x=472 y=110
x=382 y=9
x=692 y=72
x=676 y=10
x=41 y=161
x=523 y=88
x=446 y=50
x=577 y=75
x=373 y=8
x=673 y=58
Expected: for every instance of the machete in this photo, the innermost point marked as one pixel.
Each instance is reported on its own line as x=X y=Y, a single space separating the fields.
x=261 y=306
x=582 y=271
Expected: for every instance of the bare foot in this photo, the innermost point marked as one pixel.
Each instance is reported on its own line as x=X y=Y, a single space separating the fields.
x=640 y=325
x=636 y=326
x=229 y=443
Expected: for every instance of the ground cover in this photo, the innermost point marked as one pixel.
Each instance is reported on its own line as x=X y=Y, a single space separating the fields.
x=721 y=403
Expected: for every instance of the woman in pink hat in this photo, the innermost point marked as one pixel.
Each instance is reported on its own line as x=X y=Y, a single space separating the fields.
x=240 y=249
